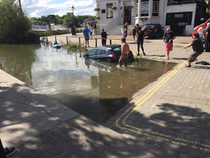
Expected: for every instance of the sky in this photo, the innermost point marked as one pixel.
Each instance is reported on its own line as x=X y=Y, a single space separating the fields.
x=38 y=8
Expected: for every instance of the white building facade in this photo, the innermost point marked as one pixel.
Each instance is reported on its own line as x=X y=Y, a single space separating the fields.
x=180 y=17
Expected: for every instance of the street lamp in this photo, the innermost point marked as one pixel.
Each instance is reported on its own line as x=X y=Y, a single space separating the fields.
x=72 y=8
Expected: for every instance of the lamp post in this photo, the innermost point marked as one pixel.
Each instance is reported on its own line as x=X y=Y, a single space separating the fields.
x=72 y=8
x=20 y=5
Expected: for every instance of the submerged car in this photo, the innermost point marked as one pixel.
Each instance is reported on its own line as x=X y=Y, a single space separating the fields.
x=153 y=30
x=110 y=53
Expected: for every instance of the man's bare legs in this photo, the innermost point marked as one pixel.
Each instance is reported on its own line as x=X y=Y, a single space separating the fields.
x=167 y=55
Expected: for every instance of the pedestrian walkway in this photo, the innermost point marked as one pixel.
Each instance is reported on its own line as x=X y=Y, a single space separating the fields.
x=169 y=118
x=40 y=127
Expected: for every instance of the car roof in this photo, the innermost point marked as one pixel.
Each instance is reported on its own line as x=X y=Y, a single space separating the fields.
x=108 y=46
x=152 y=24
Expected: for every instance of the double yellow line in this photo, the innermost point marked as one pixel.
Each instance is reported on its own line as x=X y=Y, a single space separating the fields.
x=168 y=138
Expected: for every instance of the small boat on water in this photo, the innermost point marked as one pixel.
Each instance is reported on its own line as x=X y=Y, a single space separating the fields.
x=56 y=45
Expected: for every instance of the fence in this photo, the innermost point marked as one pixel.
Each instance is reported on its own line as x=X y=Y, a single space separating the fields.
x=65 y=40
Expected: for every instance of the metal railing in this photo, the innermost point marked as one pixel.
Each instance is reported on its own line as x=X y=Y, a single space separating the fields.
x=112 y=24
x=79 y=40
x=108 y=27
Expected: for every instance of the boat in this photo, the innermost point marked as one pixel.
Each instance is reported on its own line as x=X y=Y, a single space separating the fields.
x=56 y=45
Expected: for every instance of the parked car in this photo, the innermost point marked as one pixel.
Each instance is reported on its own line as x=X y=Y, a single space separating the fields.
x=110 y=53
x=153 y=30
x=197 y=27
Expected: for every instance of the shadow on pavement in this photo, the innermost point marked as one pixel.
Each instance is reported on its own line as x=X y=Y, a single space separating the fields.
x=179 y=128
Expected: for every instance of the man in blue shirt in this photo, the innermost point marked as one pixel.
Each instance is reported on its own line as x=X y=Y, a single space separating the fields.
x=86 y=32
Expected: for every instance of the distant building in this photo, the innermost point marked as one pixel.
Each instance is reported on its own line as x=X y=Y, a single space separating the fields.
x=89 y=20
x=36 y=22
x=112 y=14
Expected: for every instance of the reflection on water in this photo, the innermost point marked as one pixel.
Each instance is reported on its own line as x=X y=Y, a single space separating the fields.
x=92 y=88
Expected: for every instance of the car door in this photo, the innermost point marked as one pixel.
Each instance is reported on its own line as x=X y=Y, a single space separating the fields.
x=99 y=54
x=91 y=53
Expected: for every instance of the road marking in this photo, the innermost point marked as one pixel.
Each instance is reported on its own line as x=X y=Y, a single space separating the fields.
x=149 y=133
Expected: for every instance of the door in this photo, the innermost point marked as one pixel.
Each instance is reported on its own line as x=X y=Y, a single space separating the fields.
x=127 y=14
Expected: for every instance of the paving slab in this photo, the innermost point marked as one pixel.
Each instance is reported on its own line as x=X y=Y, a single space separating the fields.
x=25 y=112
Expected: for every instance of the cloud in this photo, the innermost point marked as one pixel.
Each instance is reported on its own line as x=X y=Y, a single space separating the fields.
x=38 y=8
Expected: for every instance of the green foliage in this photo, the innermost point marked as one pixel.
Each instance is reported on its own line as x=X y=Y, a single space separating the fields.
x=48 y=20
x=52 y=32
x=14 y=24
x=78 y=30
x=143 y=20
x=32 y=37
x=74 y=46
x=68 y=19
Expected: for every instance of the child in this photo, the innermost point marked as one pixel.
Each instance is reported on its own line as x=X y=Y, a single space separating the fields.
x=104 y=37
x=123 y=31
x=197 y=47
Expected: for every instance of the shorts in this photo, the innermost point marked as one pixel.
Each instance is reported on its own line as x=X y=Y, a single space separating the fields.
x=123 y=60
x=169 y=46
x=91 y=33
x=86 y=38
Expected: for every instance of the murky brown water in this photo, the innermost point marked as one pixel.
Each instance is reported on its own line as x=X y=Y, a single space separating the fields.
x=92 y=88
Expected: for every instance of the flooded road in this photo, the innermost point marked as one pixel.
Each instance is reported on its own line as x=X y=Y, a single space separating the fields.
x=92 y=88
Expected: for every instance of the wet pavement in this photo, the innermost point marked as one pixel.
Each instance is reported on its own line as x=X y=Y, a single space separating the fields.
x=168 y=118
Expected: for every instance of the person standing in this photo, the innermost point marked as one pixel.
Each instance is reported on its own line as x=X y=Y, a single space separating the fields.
x=126 y=31
x=140 y=40
x=95 y=27
x=207 y=41
x=137 y=27
x=123 y=60
x=91 y=30
x=197 y=46
x=104 y=37
x=134 y=32
x=168 y=40
x=202 y=32
x=86 y=32
x=4 y=152
x=123 y=31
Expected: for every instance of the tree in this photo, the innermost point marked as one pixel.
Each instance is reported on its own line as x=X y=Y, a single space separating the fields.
x=49 y=19
x=14 y=24
x=68 y=20
x=20 y=5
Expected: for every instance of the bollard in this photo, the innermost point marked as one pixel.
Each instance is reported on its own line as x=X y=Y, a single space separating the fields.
x=79 y=40
x=66 y=40
x=55 y=39
x=110 y=41
x=2 y=152
x=95 y=42
x=47 y=39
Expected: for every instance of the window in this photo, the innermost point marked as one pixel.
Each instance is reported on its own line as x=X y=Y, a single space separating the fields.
x=155 y=9
x=117 y=49
x=144 y=8
x=181 y=24
x=100 y=52
x=91 y=52
x=109 y=10
x=178 y=15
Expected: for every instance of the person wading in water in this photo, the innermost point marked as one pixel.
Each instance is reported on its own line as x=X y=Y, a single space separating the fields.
x=123 y=60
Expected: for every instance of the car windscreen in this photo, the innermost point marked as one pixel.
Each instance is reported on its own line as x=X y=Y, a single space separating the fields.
x=116 y=50
x=148 y=27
